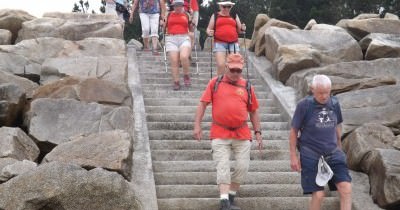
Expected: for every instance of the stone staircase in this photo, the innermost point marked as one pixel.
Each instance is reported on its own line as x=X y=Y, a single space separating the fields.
x=184 y=175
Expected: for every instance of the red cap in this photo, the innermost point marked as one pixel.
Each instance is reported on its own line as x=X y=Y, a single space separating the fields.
x=235 y=61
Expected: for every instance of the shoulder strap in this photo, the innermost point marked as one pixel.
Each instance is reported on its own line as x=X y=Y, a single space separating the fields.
x=217 y=81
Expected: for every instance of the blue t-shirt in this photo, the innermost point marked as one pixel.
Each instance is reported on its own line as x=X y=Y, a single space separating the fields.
x=149 y=6
x=319 y=132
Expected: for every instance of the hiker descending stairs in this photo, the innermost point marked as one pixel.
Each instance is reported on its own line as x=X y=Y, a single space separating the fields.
x=184 y=173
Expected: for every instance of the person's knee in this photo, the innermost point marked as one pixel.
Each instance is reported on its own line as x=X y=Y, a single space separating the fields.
x=319 y=195
x=344 y=188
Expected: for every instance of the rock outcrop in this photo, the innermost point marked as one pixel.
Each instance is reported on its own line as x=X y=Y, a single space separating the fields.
x=65 y=186
x=72 y=26
x=12 y=20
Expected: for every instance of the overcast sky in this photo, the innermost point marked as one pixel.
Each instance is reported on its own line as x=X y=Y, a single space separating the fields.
x=38 y=7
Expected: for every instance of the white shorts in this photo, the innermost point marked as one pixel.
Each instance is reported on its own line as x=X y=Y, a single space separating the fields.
x=149 y=24
x=173 y=43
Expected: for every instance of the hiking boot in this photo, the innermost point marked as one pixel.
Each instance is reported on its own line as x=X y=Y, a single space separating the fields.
x=231 y=201
x=186 y=80
x=177 y=86
x=225 y=204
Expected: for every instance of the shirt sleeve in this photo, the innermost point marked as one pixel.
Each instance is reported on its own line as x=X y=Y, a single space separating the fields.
x=194 y=5
x=207 y=94
x=299 y=114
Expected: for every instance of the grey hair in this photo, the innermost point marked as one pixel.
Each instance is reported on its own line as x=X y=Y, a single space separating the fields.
x=321 y=80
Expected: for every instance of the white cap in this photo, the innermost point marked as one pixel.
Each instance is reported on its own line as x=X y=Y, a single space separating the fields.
x=324 y=174
x=226 y=3
x=178 y=2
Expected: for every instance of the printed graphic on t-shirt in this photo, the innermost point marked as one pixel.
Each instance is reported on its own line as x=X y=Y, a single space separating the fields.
x=325 y=119
x=240 y=91
x=149 y=6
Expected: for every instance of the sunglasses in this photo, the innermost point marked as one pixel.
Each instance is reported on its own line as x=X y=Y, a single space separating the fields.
x=226 y=6
x=237 y=71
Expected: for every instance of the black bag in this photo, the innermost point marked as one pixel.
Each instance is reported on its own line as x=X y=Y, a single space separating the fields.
x=122 y=10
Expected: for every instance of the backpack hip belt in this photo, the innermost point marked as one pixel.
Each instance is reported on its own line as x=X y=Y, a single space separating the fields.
x=235 y=129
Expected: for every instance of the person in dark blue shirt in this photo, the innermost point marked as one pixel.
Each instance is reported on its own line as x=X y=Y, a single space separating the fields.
x=315 y=132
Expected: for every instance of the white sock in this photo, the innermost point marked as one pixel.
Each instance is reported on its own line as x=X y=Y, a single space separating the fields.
x=224 y=196
x=232 y=193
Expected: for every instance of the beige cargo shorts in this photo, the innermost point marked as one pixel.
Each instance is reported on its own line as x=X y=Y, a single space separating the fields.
x=222 y=149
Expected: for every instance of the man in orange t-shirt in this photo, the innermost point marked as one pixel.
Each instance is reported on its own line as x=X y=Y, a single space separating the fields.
x=231 y=107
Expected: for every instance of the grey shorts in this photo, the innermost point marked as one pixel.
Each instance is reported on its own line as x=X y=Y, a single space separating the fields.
x=174 y=43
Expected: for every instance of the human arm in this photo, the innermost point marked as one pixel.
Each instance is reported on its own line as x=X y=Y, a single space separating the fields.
x=255 y=121
x=210 y=27
x=240 y=27
x=195 y=12
x=201 y=108
x=134 y=5
x=339 y=135
x=294 y=160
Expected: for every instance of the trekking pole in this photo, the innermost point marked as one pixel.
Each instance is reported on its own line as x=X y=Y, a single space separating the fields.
x=245 y=54
x=211 y=55
x=195 y=51
x=165 y=51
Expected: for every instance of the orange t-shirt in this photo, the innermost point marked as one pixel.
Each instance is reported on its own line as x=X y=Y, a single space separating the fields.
x=229 y=108
x=178 y=23
x=225 y=29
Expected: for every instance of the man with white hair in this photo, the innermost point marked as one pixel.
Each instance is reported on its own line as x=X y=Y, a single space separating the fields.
x=318 y=119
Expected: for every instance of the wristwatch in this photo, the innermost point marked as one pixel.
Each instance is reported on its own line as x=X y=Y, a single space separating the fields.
x=255 y=132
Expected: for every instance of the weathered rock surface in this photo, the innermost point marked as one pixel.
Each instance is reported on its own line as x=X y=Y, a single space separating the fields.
x=15 y=169
x=359 y=28
x=88 y=90
x=12 y=21
x=111 y=150
x=12 y=102
x=112 y=68
x=327 y=27
x=375 y=105
x=361 y=199
x=5 y=37
x=379 y=45
x=26 y=58
x=318 y=46
x=310 y=24
x=6 y=161
x=260 y=21
x=72 y=26
x=26 y=85
x=348 y=76
x=374 y=15
x=384 y=176
x=69 y=187
x=359 y=143
x=14 y=143
x=261 y=46
x=55 y=121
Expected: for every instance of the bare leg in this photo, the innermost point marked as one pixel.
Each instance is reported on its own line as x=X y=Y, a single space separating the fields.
x=234 y=186
x=224 y=188
x=146 y=43
x=154 y=41
x=184 y=57
x=174 y=59
x=220 y=60
x=316 y=200
x=344 y=189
